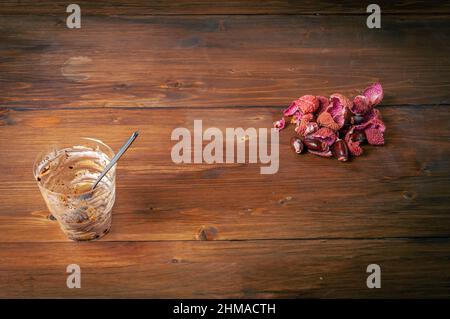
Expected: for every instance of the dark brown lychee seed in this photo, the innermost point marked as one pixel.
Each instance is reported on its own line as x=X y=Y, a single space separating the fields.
x=297 y=145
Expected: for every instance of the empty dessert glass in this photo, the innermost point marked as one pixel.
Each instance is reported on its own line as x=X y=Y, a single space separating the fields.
x=65 y=176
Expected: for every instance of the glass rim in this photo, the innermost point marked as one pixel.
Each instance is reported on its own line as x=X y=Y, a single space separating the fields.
x=42 y=154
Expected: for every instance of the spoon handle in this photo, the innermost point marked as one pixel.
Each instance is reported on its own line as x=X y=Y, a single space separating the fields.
x=116 y=157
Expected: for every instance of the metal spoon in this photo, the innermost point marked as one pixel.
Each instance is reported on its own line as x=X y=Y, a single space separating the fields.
x=116 y=158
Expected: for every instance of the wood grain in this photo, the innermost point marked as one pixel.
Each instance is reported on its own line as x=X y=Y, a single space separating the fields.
x=202 y=7
x=252 y=269
x=399 y=190
x=219 y=61
x=226 y=231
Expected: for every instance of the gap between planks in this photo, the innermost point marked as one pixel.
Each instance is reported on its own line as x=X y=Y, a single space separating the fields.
x=393 y=239
x=76 y=108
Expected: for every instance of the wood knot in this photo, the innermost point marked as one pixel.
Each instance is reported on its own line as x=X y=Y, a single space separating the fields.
x=172 y=85
x=43 y=214
x=285 y=200
x=5 y=118
x=121 y=86
x=77 y=68
x=426 y=169
x=409 y=195
x=207 y=233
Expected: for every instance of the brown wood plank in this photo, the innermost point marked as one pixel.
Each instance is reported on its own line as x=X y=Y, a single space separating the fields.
x=399 y=190
x=255 y=269
x=219 y=61
x=142 y=7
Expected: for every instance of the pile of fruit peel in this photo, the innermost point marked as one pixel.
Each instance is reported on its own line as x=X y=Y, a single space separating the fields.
x=335 y=126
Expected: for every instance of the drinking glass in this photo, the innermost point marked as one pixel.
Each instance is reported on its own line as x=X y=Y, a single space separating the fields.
x=65 y=176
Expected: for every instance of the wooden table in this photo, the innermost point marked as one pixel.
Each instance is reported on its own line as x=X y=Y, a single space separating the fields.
x=199 y=230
